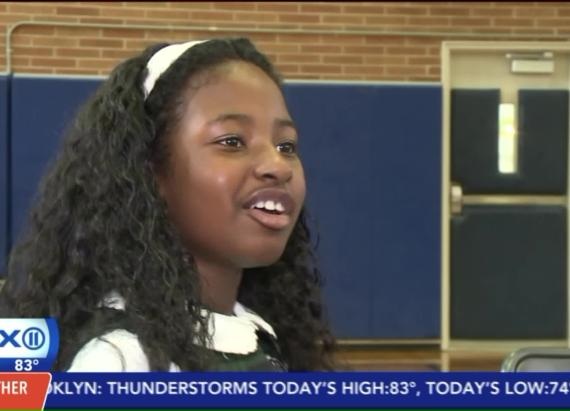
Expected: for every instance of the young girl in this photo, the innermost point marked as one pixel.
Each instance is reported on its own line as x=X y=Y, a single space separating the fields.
x=170 y=233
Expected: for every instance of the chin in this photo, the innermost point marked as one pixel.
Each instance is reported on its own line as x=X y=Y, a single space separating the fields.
x=262 y=257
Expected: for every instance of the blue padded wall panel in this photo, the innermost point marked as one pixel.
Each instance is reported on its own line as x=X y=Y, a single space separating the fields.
x=41 y=110
x=408 y=207
x=372 y=160
x=3 y=172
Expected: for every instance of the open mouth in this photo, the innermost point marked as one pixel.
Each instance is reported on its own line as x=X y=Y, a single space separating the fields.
x=272 y=208
x=269 y=207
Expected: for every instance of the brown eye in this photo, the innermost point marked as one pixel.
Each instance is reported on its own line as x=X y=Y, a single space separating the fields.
x=288 y=147
x=231 y=142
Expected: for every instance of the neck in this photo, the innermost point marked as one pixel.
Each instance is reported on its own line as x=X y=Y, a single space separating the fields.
x=219 y=284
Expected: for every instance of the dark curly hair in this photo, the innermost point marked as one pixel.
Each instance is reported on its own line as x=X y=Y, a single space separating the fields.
x=100 y=225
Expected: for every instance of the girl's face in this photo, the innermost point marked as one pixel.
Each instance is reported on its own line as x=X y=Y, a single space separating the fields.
x=234 y=184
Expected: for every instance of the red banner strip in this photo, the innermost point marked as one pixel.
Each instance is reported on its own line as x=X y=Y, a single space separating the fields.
x=23 y=390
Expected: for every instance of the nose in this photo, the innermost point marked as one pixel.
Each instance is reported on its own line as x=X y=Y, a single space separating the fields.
x=272 y=165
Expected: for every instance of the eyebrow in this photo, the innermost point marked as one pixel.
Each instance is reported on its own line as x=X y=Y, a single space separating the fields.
x=244 y=118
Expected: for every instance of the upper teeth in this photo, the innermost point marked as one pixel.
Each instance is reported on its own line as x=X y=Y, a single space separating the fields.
x=270 y=205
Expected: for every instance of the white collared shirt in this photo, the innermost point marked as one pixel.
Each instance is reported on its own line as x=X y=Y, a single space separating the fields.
x=120 y=350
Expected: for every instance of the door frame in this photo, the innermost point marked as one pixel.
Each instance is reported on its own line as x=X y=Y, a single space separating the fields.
x=447 y=48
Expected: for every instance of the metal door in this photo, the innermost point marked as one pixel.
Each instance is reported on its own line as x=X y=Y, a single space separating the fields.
x=505 y=179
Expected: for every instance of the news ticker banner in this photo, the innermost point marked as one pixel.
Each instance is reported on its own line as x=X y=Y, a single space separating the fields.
x=28 y=348
x=290 y=390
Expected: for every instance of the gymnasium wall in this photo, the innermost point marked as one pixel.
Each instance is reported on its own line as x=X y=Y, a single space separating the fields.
x=371 y=150
x=308 y=40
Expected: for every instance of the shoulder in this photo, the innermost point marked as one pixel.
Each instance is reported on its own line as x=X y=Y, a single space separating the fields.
x=116 y=351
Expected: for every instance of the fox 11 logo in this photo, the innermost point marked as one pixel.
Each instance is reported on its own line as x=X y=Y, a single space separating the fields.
x=28 y=344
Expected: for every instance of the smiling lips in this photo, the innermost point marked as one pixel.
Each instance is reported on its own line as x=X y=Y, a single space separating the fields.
x=271 y=207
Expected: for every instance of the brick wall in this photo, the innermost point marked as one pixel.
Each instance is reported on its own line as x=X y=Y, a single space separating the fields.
x=369 y=55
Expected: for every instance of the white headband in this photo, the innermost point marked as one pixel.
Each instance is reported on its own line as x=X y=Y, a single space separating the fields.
x=161 y=60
